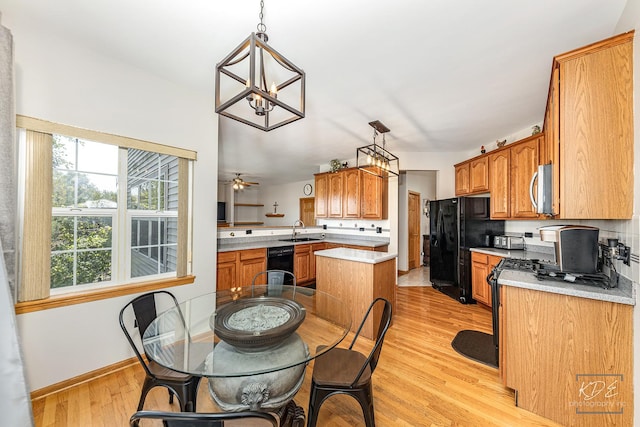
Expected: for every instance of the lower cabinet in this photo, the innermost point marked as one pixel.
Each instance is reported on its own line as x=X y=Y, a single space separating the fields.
x=302 y=263
x=570 y=359
x=237 y=268
x=481 y=266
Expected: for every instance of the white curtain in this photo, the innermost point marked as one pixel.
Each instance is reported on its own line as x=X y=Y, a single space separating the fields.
x=15 y=403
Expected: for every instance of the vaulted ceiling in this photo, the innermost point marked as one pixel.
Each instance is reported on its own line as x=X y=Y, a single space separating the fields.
x=443 y=75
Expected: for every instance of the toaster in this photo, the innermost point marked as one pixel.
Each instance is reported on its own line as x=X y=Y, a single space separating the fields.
x=508 y=242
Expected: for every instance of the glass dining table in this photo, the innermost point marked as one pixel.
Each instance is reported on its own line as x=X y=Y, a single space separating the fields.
x=251 y=343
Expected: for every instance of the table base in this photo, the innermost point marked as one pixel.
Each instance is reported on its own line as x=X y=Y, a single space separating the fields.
x=291 y=415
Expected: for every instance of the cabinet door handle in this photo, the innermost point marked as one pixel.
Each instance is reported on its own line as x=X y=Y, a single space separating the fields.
x=531 y=184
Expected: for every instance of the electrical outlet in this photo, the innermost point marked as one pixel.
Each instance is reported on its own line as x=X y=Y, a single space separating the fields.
x=528 y=234
x=249 y=231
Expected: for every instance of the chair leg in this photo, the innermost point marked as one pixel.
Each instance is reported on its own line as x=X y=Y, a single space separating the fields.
x=317 y=397
x=146 y=386
x=365 y=398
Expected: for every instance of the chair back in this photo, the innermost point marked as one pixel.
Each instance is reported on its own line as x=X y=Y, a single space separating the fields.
x=198 y=419
x=385 y=321
x=275 y=280
x=144 y=309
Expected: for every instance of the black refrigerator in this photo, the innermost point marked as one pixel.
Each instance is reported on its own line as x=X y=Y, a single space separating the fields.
x=456 y=225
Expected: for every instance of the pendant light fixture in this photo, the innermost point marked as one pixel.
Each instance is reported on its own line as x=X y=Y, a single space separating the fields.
x=258 y=86
x=374 y=158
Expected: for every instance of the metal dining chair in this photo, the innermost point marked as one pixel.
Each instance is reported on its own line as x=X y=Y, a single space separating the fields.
x=275 y=280
x=144 y=308
x=193 y=419
x=347 y=371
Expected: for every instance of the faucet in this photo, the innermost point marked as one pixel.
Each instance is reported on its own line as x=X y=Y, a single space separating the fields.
x=298 y=222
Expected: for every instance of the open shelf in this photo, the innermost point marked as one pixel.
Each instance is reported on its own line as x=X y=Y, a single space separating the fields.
x=248 y=223
x=274 y=215
x=248 y=204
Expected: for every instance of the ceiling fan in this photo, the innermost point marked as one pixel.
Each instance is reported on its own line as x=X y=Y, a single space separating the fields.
x=239 y=183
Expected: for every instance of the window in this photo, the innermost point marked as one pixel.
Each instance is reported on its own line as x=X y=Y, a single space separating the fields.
x=119 y=210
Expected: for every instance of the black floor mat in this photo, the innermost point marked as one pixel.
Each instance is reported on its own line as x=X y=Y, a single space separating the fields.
x=476 y=345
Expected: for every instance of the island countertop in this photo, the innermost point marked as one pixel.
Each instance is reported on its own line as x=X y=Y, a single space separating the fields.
x=357 y=255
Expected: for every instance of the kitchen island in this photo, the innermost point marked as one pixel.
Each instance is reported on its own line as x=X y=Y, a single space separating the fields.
x=357 y=277
x=567 y=349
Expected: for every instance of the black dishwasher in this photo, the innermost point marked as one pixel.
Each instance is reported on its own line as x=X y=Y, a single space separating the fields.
x=281 y=258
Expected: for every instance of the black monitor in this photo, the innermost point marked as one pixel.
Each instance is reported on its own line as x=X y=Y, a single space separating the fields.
x=222 y=212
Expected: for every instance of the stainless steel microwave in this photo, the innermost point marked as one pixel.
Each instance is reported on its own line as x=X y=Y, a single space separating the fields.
x=543 y=199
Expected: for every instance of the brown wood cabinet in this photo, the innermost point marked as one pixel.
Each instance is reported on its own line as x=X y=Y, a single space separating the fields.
x=301 y=263
x=312 y=262
x=227 y=270
x=589 y=130
x=335 y=194
x=351 y=193
x=570 y=359
x=499 y=167
x=479 y=175
x=462 y=179
x=322 y=195
x=510 y=172
x=524 y=163
x=237 y=268
x=481 y=266
x=472 y=176
x=374 y=196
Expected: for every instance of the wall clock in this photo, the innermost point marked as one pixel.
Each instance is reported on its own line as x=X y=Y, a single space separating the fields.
x=307 y=189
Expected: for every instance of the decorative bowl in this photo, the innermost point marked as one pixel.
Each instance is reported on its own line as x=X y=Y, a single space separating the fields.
x=256 y=324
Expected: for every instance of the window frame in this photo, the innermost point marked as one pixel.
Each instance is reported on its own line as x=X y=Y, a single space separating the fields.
x=127 y=285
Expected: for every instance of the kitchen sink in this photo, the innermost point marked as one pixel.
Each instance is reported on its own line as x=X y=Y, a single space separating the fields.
x=301 y=239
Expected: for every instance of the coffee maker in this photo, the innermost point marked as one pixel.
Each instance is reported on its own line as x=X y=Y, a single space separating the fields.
x=576 y=247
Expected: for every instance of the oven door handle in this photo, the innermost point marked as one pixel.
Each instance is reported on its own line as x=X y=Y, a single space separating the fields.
x=491 y=277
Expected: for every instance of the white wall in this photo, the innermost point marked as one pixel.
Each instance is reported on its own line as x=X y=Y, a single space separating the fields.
x=442 y=163
x=288 y=197
x=62 y=82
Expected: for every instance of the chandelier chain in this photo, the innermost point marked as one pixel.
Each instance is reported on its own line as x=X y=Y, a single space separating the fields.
x=261 y=27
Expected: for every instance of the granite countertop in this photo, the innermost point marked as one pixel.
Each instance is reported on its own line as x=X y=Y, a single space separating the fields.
x=275 y=243
x=357 y=255
x=623 y=294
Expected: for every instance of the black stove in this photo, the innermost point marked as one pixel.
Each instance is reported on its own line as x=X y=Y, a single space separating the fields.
x=551 y=272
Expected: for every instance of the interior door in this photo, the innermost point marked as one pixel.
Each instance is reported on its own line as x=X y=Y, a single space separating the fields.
x=414 y=230
x=307 y=208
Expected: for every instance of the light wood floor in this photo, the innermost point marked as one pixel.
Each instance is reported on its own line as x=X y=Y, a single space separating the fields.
x=420 y=380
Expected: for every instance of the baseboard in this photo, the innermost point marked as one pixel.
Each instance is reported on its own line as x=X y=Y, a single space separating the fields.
x=55 y=388
x=402 y=272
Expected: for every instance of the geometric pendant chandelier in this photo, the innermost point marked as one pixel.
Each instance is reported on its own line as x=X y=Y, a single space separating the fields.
x=258 y=86
x=376 y=159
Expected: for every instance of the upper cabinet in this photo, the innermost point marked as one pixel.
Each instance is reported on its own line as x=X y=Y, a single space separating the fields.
x=472 y=176
x=351 y=193
x=321 y=197
x=589 y=131
x=462 y=179
x=510 y=172
x=587 y=138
